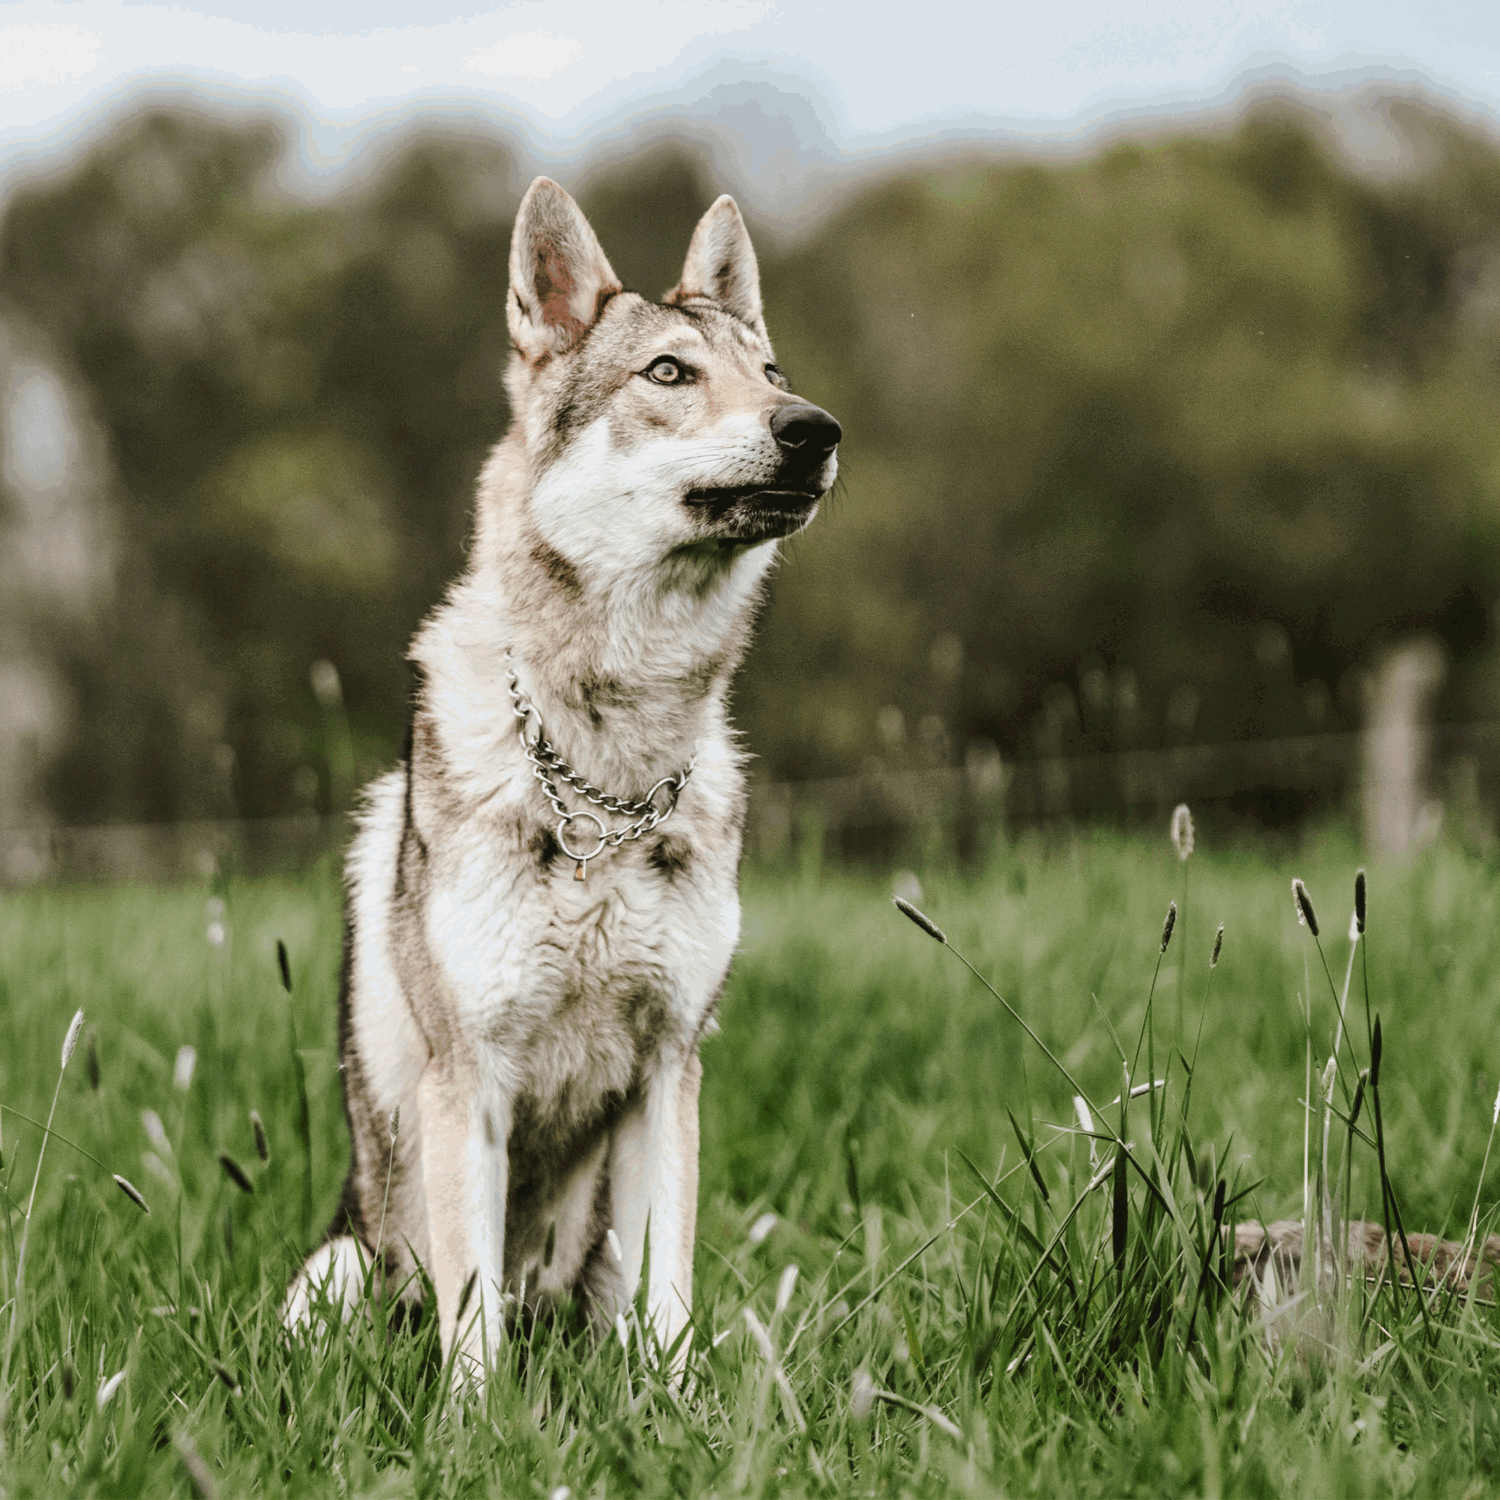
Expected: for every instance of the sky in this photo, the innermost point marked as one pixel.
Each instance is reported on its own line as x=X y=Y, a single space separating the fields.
x=879 y=70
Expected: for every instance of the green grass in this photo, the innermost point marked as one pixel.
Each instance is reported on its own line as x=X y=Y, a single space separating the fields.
x=863 y=1082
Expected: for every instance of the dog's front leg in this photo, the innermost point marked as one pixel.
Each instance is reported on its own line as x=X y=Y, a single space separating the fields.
x=653 y=1174
x=465 y=1174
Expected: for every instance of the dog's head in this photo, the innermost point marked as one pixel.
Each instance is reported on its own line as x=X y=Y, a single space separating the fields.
x=653 y=430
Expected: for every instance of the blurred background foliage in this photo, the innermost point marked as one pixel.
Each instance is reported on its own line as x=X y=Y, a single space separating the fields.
x=1157 y=446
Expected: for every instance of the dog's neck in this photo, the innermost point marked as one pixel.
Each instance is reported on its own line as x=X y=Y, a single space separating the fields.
x=629 y=674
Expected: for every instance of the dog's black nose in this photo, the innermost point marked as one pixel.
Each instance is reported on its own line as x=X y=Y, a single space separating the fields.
x=805 y=428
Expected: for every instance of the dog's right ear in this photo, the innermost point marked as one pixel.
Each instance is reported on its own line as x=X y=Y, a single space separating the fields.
x=721 y=266
x=559 y=277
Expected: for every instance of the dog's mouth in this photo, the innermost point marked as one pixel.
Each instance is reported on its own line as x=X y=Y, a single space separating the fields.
x=755 y=512
x=764 y=494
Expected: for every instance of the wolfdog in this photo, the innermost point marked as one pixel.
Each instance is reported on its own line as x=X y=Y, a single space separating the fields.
x=543 y=900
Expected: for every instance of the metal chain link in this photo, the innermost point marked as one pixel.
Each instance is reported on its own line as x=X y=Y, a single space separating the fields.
x=546 y=763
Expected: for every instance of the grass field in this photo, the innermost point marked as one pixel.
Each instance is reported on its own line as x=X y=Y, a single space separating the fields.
x=949 y=1329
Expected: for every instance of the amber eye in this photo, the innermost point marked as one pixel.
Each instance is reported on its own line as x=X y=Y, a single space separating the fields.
x=665 y=371
x=774 y=375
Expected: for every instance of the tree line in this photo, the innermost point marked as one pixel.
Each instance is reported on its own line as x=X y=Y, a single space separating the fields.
x=1161 y=445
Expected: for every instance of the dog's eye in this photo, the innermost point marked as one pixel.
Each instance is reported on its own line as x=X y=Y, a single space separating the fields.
x=665 y=371
x=774 y=375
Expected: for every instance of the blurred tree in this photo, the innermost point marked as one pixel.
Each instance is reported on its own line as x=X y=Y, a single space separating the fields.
x=1185 y=430
x=298 y=395
x=1161 y=445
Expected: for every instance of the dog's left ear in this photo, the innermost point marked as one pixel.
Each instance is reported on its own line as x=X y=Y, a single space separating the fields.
x=721 y=266
x=559 y=276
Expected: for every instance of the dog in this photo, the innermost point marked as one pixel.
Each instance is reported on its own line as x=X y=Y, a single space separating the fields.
x=543 y=899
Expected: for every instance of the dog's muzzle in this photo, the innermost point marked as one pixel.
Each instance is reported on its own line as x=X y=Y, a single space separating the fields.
x=806 y=436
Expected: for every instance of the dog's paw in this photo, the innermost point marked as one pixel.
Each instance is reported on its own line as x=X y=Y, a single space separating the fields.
x=333 y=1276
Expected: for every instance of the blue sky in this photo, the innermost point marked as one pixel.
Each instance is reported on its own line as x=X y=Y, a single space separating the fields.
x=880 y=68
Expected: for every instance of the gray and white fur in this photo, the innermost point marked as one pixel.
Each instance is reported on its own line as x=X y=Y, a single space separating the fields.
x=539 y=1034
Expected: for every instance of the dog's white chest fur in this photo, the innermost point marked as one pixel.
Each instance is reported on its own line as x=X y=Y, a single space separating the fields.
x=569 y=987
x=564 y=991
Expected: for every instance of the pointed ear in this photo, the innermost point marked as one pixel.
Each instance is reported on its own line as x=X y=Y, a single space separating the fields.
x=559 y=277
x=721 y=266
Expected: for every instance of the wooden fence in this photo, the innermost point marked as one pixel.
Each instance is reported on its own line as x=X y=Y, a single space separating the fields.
x=883 y=817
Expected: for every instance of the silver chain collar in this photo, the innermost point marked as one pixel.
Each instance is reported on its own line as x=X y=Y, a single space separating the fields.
x=650 y=812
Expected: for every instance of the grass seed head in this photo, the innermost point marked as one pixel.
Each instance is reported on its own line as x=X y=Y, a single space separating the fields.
x=922 y=920
x=258 y=1126
x=71 y=1040
x=1305 y=913
x=761 y=1337
x=1213 y=960
x=1359 y=899
x=760 y=1229
x=235 y=1173
x=91 y=1057
x=129 y=1189
x=466 y=1294
x=395 y=1123
x=862 y=1395
x=156 y=1132
x=106 y=1391
x=784 y=1288
x=284 y=965
x=200 y=1476
x=1168 y=925
x=182 y=1069
x=1182 y=831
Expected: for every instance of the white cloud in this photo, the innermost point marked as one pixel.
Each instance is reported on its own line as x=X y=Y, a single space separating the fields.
x=528 y=54
x=550 y=55
x=43 y=54
x=883 y=64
